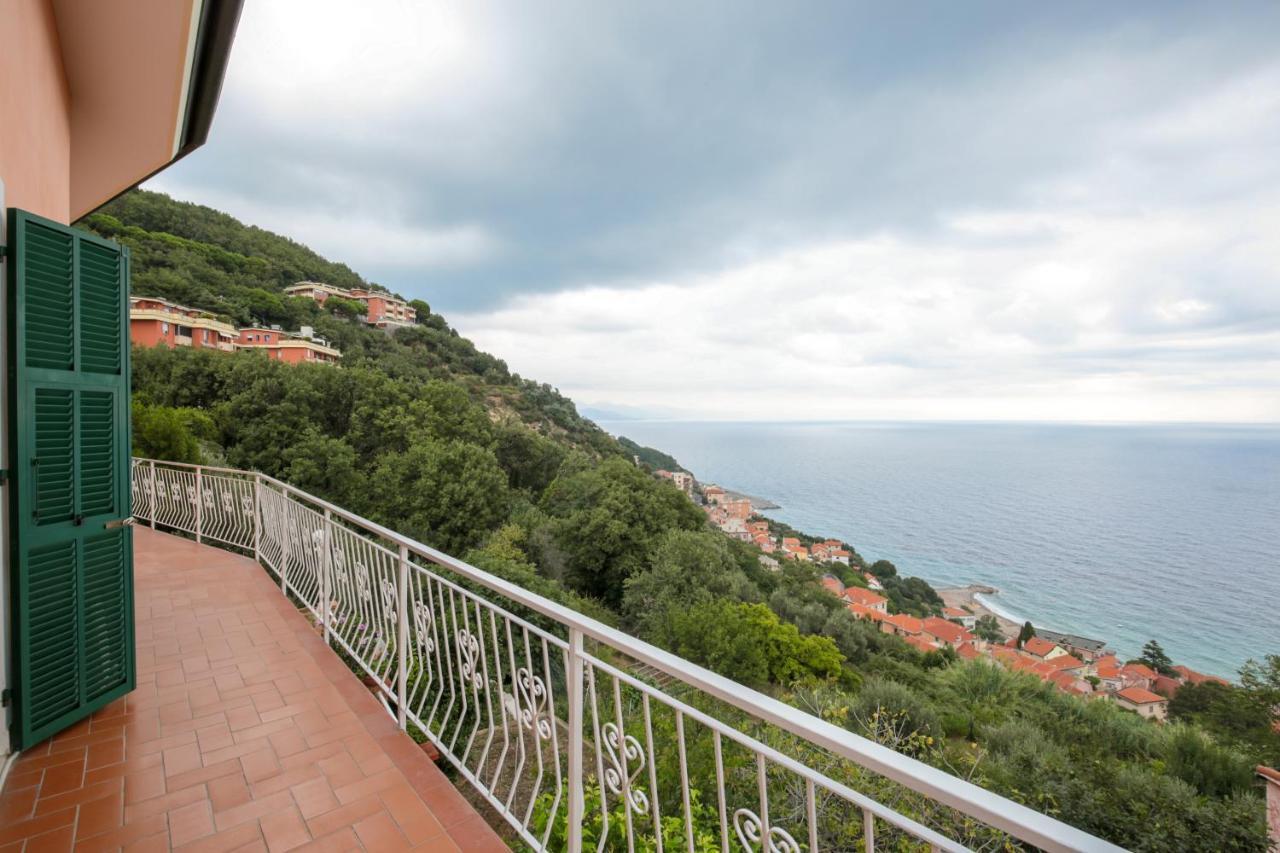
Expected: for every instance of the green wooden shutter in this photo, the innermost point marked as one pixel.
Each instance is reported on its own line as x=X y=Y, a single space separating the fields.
x=71 y=559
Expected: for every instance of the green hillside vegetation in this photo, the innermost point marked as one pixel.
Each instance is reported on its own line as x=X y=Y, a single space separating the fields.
x=650 y=457
x=425 y=434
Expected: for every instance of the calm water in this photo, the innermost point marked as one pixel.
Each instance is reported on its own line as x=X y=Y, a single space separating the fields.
x=1118 y=532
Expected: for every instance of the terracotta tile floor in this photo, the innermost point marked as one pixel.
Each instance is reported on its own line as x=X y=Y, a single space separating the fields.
x=245 y=733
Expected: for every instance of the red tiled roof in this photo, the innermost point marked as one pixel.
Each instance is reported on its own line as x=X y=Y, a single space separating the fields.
x=1189 y=674
x=1005 y=655
x=833 y=584
x=968 y=652
x=942 y=629
x=860 y=611
x=1065 y=662
x=1139 y=670
x=921 y=643
x=910 y=624
x=1138 y=696
x=1038 y=646
x=955 y=613
x=865 y=597
x=1106 y=667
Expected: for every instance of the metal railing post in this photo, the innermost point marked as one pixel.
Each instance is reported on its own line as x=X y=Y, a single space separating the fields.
x=576 y=692
x=257 y=524
x=402 y=641
x=286 y=537
x=326 y=569
x=154 y=508
x=199 y=504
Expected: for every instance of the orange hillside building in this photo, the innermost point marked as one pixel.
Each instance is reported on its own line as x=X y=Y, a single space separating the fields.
x=282 y=346
x=153 y=322
x=385 y=310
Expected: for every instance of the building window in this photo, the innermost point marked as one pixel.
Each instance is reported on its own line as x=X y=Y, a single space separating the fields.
x=164 y=328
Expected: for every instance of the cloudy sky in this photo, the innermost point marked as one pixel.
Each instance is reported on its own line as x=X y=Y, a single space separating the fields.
x=1058 y=211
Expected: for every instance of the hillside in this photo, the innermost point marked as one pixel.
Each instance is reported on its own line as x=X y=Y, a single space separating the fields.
x=205 y=259
x=424 y=433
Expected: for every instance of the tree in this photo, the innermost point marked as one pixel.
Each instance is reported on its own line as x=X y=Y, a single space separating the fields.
x=421 y=307
x=1028 y=631
x=531 y=461
x=170 y=434
x=446 y=494
x=749 y=643
x=988 y=628
x=1154 y=656
x=340 y=306
x=686 y=568
x=883 y=569
x=325 y=467
x=606 y=520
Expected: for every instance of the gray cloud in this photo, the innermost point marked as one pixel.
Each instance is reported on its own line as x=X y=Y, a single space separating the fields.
x=1078 y=189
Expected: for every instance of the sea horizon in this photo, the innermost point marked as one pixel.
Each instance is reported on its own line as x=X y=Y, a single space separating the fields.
x=1105 y=529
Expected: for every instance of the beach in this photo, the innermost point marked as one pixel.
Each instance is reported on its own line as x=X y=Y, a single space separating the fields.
x=967 y=598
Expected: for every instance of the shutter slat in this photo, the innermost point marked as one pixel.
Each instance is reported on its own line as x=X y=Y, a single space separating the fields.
x=100 y=297
x=105 y=574
x=54 y=640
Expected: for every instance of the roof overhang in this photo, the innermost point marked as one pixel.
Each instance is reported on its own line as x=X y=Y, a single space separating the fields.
x=143 y=80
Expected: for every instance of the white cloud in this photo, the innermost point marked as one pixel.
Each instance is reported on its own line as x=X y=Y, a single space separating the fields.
x=952 y=327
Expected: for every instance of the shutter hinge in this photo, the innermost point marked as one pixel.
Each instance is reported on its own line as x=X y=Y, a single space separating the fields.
x=6 y=697
x=4 y=476
x=4 y=250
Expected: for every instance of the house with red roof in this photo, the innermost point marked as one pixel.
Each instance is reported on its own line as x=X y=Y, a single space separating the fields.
x=922 y=643
x=1069 y=682
x=946 y=633
x=867 y=598
x=1042 y=648
x=968 y=652
x=902 y=625
x=833 y=584
x=873 y=582
x=1143 y=702
x=1066 y=663
x=1190 y=676
x=1107 y=670
x=964 y=617
x=1138 y=675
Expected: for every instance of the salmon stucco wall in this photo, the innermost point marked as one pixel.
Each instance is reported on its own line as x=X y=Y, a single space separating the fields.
x=35 y=123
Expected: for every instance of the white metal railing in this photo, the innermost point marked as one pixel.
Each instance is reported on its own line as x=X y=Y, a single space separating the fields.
x=555 y=718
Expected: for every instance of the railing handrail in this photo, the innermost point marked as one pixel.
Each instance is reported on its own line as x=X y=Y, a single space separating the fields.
x=1020 y=821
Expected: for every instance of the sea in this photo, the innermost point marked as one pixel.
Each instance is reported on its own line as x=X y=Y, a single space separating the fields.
x=1121 y=533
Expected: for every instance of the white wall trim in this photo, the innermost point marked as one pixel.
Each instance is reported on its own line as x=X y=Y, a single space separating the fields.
x=188 y=71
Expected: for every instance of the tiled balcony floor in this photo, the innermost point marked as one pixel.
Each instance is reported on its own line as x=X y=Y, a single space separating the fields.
x=245 y=733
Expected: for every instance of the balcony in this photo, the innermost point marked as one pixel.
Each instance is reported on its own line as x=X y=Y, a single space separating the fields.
x=574 y=734
x=244 y=729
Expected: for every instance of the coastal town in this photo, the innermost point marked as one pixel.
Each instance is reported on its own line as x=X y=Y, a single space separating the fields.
x=1072 y=664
